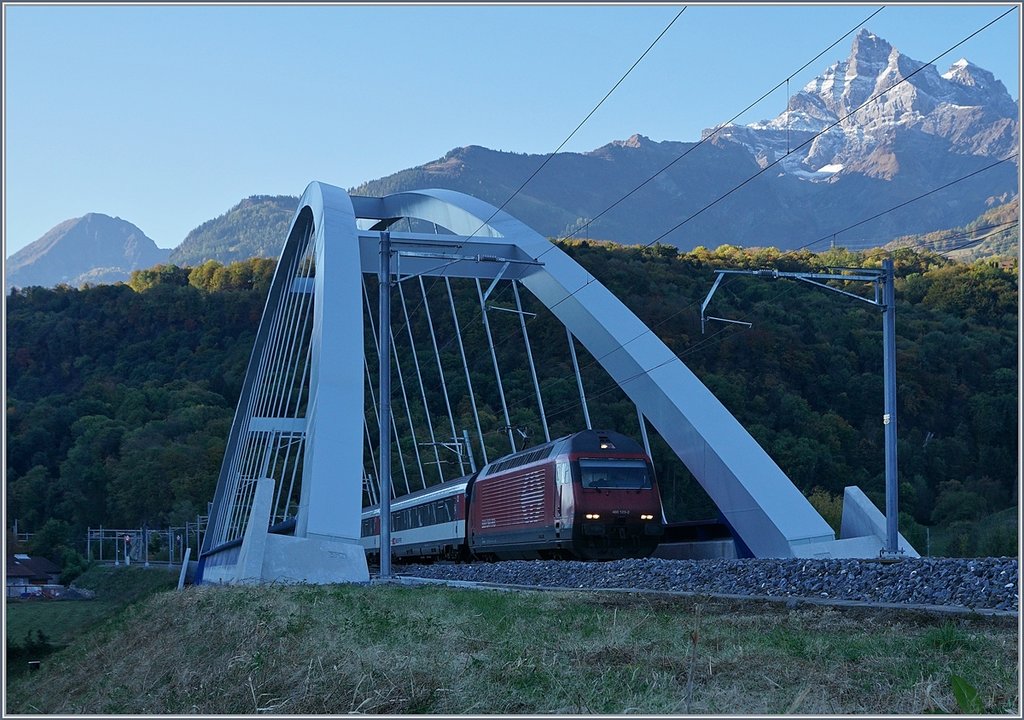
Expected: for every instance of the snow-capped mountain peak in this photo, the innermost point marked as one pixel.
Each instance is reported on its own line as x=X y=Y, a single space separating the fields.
x=958 y=65
x=859 y=104
x=968 y=75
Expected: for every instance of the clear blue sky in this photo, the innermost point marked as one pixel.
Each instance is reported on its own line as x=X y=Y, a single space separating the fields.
x=168 y=115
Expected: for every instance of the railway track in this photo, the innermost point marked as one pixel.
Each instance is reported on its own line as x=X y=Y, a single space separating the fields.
x=982 y=586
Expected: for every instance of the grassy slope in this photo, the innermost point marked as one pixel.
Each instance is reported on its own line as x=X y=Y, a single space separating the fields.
x=390 y=649
x=63 y=620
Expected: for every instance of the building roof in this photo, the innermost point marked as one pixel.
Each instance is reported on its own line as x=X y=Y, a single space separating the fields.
x=31 y=567
x=18 y=571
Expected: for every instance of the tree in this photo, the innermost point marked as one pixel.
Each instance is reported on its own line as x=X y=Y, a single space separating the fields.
x=142 y=280
x=51 y=540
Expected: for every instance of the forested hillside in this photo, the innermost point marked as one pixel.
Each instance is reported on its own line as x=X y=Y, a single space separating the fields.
x=255 y=227
x=120 y=397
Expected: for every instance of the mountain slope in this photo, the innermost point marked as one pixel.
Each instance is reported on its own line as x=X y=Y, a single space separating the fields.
x=575 y=187
x=995 y=233
x=94 y=248
x=255 y=227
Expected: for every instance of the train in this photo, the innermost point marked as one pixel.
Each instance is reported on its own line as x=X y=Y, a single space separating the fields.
x=591 y=495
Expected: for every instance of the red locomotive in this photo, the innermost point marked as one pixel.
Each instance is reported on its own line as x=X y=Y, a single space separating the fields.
x=591 y=495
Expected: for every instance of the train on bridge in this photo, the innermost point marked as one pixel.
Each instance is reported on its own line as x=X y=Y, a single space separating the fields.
x=591 y=495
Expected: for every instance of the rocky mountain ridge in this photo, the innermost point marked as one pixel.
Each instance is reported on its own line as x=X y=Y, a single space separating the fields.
x=849 y=117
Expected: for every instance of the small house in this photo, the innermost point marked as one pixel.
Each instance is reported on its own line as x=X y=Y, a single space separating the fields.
x=28 y=576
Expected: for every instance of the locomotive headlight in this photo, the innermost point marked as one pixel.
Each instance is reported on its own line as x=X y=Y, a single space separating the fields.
x=646 y=517
x=592 y=516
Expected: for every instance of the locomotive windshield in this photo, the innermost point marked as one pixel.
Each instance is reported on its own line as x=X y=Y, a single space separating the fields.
x=622 y=474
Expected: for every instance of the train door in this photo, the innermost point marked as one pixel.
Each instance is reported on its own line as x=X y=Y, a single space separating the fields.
x=562 y=484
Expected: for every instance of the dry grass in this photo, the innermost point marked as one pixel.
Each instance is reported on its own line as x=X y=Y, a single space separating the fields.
x=431 y=650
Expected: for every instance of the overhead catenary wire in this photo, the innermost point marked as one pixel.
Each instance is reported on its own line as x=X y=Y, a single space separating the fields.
x=711 y=340
x=911 y=200
x=998 y=228
x=829 y=236
x=734 y=189
x=710 y=135
x=716 y=337
x=974 y=241
x=569 y=137
x=615 y=385
x=828 y=128
x=661 y=322
x=595 y=360
x=547 y=160
x=811 y=139
x=720 y=126
x=582 y=123
x=930 y=245
x=682 y=155
x=717 y=129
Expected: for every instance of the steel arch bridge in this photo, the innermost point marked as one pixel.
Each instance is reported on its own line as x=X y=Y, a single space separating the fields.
x=289 y=496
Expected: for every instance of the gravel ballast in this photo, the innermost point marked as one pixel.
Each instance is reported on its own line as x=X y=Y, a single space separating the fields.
x=974 y=583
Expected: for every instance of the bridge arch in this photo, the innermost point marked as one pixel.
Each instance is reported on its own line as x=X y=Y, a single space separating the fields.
x=314 y=306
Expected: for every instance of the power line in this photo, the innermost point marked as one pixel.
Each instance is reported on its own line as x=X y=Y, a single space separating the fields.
x=709 y=341
x=937 y=242
x=704 y=343
x=680 y=157
x=974 y=241
x=907 y=202
x=720 y=127
x=808 y=141
x=652 y=328
x=828 y=128
x=567 y=139
x=582 y=122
